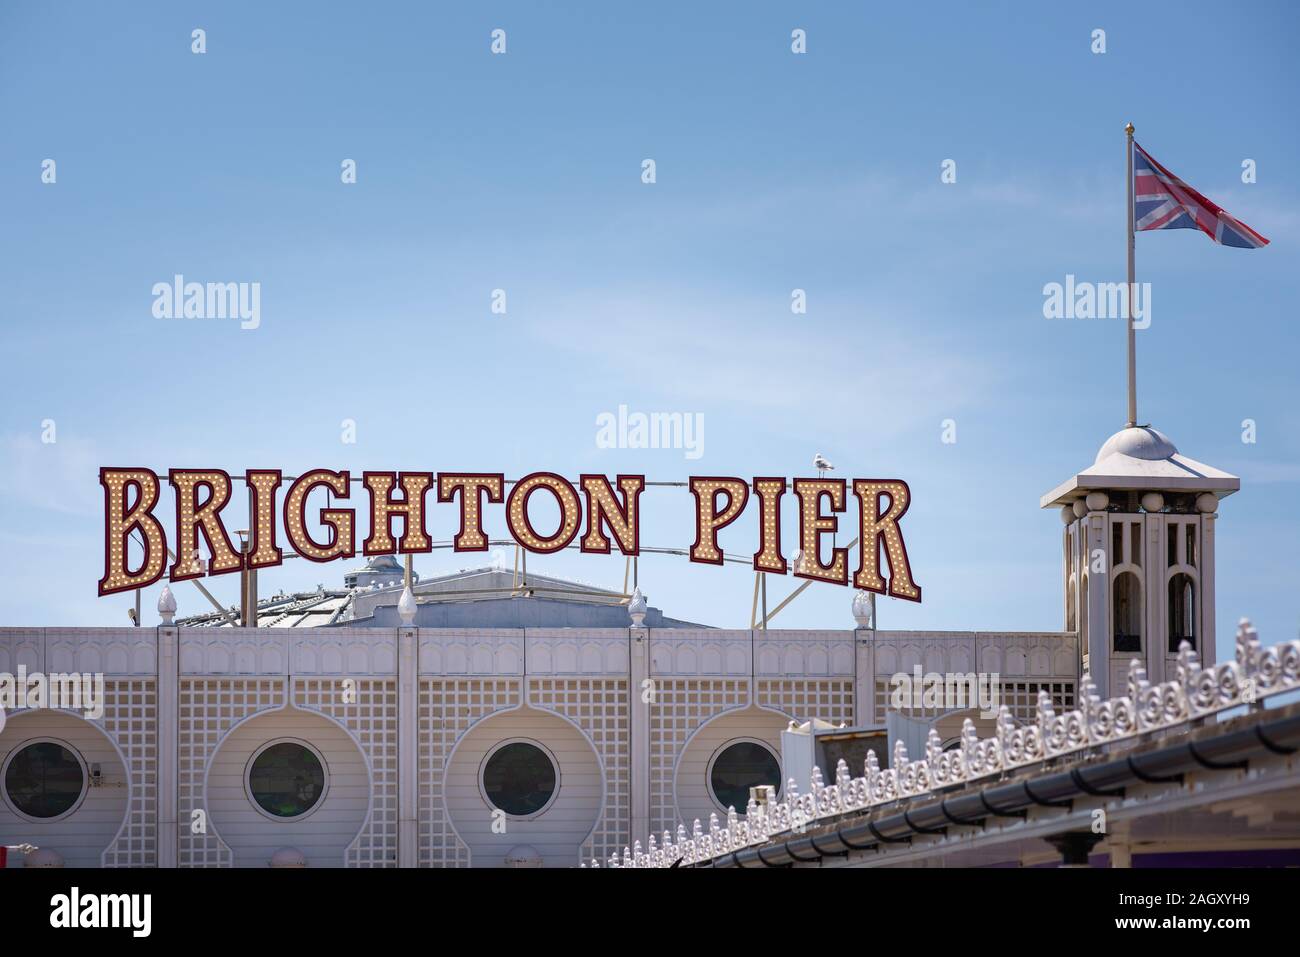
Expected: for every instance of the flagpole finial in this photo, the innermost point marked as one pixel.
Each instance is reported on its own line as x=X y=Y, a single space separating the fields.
x=1129 y=129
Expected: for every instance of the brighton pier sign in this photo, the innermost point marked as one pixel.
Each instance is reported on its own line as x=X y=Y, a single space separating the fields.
x=610 y=512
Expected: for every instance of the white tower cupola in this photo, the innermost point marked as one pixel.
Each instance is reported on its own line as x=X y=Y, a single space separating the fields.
x=1139 y=555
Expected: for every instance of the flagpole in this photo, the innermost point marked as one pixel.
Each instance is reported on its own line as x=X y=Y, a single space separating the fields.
x=1132 y=344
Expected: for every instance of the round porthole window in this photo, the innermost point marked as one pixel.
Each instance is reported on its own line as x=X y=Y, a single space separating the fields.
x=286 y=779
x=44 y=780
x=519 y=778
x=737 y=768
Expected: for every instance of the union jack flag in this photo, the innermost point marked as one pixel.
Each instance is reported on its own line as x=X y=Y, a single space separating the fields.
x=1163 y=201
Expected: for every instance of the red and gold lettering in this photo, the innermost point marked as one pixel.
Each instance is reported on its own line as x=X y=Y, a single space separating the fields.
x=876 y=527
x=708 y=520
x=341 y=520
x=119 y=521
x=603 y=509
x=517 y=512
x=471 y=485
x=813 y=524
x=383 y=509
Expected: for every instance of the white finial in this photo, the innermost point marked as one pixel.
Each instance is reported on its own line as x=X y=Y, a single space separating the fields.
x=166 y=604
x=862 y=608
x=406 y=607
x=637 y=607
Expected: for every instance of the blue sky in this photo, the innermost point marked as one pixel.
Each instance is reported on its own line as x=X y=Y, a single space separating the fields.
x=522 y=172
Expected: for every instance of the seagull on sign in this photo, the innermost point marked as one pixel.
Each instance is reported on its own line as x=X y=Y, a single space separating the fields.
x=821 y=465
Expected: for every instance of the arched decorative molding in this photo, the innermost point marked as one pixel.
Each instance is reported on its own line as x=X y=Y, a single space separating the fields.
x=600 y=711
x=449 y=706
x=133 y=789
x=700 y=729
x=1198 y=623
x=375 y=843
x=352 y=851
x=210 y=708
x=584 y=844
x=682 y=706
x=286 y=706
x=183 y=816
x=1127 y=600
x=127 y=702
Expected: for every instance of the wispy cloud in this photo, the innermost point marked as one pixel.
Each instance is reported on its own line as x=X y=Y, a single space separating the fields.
x=713 y=353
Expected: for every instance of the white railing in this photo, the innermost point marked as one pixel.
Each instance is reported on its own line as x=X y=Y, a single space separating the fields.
x=1254 y=674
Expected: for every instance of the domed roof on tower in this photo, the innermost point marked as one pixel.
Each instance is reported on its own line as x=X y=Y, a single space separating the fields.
x=1142 y=459
x=1138 y=442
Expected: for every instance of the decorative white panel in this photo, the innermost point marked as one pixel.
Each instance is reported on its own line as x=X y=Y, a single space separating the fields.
x=471 y=651
x=799 y=653
x=344 y=651
x=699 y=652
x=939 y=652
x=236 y=651
x=575 y=651
x=21 y=647
x=1028 y=654
x=109 y=651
